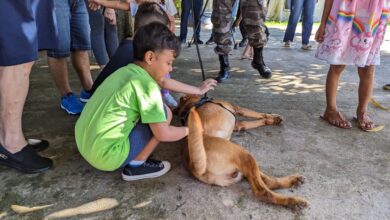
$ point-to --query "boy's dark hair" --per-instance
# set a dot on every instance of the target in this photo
(149, 12)
(154, 37)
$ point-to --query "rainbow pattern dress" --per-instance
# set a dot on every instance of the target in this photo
(355, 30)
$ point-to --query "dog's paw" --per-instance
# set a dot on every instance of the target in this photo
(297, 180)
(297, 203)
(274, 119)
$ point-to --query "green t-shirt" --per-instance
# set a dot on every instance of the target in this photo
(102, 131)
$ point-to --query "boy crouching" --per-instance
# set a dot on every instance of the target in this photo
(125, 119)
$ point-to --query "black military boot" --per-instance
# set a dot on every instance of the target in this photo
(224, 73)
(258, 63)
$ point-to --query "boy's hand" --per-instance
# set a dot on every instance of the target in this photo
(109, 13)
(207, 85)
(94, 4)
(320, 34)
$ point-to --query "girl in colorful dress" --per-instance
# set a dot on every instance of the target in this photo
(351, 33)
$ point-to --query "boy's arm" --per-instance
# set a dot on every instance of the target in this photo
(111, 4)
(171, 23)
(166, 133)
(177, 86)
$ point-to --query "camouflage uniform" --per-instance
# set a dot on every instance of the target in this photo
(253, 17)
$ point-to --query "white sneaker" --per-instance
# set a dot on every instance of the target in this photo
(306, 47)
(287, 44)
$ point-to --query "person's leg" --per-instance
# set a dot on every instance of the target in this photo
(244, 35)
(57, 57)
(80, 61)
(14, 83)
(96, 22)
(331, 114)
(366, 75)
(15, 151)
(295, 14)
(257, 35)
(80, 39)
(185, 12)
(307, 23)
(58, 68)
(222, 23)
(111, 37)
(247, 53)
(139, 165)
(152, 144)
(198, 4)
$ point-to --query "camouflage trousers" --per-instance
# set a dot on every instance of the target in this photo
(253, 16)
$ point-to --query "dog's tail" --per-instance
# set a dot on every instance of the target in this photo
(198, 158)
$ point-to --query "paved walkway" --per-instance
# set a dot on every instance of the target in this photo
(347, 171)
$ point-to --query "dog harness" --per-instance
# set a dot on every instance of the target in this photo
(183, 117)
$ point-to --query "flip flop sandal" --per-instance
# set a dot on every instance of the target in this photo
(322, 117)
(38, 145)
(27, 160)
(386, 87)
(376, 128)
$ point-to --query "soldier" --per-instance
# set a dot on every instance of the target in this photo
(253, 17)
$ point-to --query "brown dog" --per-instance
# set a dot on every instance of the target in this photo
(213, 159)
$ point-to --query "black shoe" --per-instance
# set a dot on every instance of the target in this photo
(259, 65)
(199, 42)
(224, 73)
(210, 41)
(386, 87)
(150, 169)
(38, 145)
(27, 160)
(243, 42)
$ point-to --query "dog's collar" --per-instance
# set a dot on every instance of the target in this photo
(183, 116)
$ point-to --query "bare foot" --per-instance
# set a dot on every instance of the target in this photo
(335, 118)
(365, 123)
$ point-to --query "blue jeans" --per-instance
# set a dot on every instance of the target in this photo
(186, 7)
(104, 38)
(139, 137)
(306, 7)
(73, 28)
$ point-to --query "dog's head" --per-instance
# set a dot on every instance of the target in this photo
(186, 102)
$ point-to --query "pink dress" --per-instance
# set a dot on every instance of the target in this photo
(354, 32)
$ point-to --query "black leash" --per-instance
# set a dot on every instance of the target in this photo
(196, 38)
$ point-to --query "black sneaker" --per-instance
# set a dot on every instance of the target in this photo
(27, 160)
(199, 42)
(150, 169)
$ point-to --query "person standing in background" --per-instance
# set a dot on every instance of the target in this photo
(104, 34)
(298, 7)
(26, 27)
